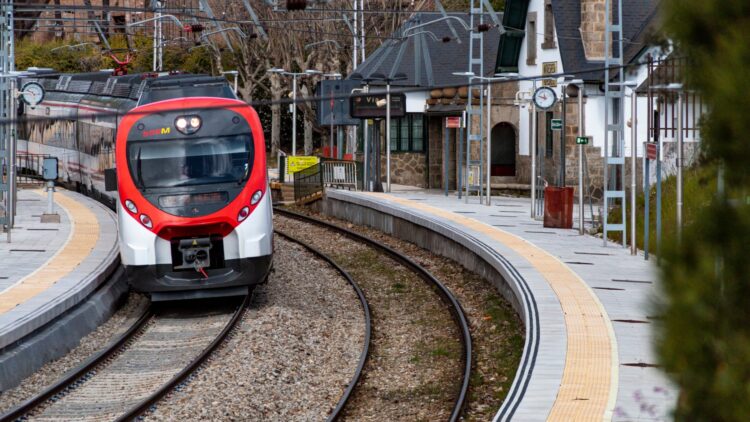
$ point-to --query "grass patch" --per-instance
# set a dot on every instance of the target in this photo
(698, 190)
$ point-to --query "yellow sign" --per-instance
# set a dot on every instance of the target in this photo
(549, 68)
(298, 162)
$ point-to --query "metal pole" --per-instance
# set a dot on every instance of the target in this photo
(633, 158)
(657, 129)
(446, 167)
(532, 144)
(388, 136)
(581, 228)
(50, 200)
(647, 198)
(489, 143)
(679, 166)
(460, 143)
(365, 145)
(561, 177)
(294, 114)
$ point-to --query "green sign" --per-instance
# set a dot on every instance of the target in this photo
(556, 124)
(582, 140)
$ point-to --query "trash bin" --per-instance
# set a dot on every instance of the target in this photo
(558, 207)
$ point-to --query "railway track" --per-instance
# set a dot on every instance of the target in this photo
(368, 323)
(157, 353)
(444, 293)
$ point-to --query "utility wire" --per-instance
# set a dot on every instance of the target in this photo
(395, 90)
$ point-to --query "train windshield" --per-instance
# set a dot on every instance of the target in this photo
(190, 162)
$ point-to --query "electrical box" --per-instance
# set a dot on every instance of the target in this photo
(49, 168)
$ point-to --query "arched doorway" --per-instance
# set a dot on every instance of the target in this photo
(503, 161)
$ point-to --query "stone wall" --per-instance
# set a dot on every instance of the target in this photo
(407, 168)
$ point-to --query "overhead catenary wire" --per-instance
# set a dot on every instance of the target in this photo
(394, 91)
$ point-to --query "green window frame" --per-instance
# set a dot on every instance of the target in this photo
(407, 133)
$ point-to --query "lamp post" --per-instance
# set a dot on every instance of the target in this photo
(294, 76)
(388, 80)
(157, 62)
(677, 87)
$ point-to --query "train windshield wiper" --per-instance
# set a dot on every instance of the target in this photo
(138, 170)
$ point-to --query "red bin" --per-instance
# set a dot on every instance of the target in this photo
(558, 207)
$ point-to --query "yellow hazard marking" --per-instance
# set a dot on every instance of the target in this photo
(588, 389)
(84, 233)
(195, 242)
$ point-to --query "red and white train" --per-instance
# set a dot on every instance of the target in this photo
(192, 197)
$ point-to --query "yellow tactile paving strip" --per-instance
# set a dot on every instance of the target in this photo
(84, 233)
(589, 383)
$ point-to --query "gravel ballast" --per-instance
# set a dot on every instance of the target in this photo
(497, 332)
(291, 357)
(415, 365)
(120, 321)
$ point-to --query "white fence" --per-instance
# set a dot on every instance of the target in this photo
(340, 174)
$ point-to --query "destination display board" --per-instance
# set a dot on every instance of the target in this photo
(373, 106)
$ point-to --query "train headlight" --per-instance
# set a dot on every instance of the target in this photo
(130, 205)
(244, 212)
(256, 197)
(146, 221)
(188, 124)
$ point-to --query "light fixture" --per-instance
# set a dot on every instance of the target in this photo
(130, 205)
(146, 221)
(256, 197)
(242, 215)
(188, 124)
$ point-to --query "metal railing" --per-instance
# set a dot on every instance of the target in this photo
(308, 183)
(342, 174)
(29, 167)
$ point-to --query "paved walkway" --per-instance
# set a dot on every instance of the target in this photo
(49, 267)
(594, 359)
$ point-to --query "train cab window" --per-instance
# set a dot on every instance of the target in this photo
(191, 162)
(221, 90)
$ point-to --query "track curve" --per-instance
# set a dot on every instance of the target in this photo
(444, 293)
(368, 323)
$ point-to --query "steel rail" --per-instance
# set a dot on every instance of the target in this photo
(140, 408)
(444, 292)
(368, 324)
(80, 372)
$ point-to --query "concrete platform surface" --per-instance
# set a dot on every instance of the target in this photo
(588, 354)
(49, 268)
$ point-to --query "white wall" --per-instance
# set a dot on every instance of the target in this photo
(524, 70)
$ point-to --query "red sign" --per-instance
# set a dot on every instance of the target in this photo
(453, 122)
(652, 151)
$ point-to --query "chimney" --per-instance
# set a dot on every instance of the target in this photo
(593, 28)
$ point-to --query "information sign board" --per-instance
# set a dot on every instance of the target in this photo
(652, 151)
(453, 122)
(582, 140)
(556, 124)
(295, 163)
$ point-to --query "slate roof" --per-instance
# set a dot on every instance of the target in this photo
(442, 58)
(638, 17)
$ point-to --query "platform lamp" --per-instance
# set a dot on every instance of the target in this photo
(294, 75)
(388, 80)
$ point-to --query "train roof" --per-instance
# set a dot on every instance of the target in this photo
(104, 84)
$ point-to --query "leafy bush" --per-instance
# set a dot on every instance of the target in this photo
(704, 339)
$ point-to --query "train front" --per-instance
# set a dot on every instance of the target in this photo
(194, 215)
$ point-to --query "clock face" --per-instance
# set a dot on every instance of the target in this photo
(32, 94)
(545, 97)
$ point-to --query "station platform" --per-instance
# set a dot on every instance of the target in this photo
(588, 353)
(47, 270)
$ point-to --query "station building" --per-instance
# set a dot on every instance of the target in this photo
(542, 37)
